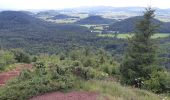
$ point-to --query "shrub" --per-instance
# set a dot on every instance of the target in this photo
(88, 73)
(159, 82)
(77, 63)
(110, 69)
(62, 56)
(88, 62)
(21, 56)
(44, 78)
(6, 58)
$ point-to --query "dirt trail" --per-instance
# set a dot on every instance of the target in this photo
(68, 96)
(5, 76)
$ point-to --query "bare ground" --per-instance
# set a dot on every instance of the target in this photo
(5, 76)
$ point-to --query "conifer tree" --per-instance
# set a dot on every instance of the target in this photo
(141, 57)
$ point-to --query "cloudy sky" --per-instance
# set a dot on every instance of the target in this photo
(57, 4)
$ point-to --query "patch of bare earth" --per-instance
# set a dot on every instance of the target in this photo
(68, 96)
(5, 76)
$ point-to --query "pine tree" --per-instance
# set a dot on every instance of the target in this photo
(140, 59)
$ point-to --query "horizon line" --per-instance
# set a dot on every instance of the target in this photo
(23, 9)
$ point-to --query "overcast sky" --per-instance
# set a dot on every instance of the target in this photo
(57, 4)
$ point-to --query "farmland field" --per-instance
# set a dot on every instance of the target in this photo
(126, 35)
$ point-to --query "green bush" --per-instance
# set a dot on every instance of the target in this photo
(21, 56)
(77, 63)
(110, 69)
(159, 82)
(88, 73)
(44, 78)
(6, 58)
(62, 56)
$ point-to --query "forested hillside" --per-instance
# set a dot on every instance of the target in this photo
(20, 30)
(128, 25)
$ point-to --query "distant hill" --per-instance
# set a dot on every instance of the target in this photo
(128, 25)
(61, 16)
(17, 20)
(165, 27)
(108, 12)
(102, 9)
(95, 20)
(9, 18)
(20, 30)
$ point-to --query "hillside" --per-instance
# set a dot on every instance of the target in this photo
(8, 18)
(20, 30)
(95, 20)
(128, 25)
(82, 71)
(62, 16)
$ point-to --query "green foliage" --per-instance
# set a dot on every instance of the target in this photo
(51, 73)
(21, 56)
(41, 80)
(85, 63)
(88, 73)
(159, 82)
(110, 69)
(128, 25)
(6, 58)
(140, 59)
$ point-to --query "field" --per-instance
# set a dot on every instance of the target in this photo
(63, 21)
(96, 27)
(126, 35)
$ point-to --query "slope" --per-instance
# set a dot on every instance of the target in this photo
(128, 25)
(20, 30)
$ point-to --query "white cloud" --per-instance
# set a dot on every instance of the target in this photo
(54, 4)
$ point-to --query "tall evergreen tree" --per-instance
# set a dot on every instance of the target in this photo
(140, 59)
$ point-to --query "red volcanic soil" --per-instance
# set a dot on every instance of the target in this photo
(68, 96)
(5, 76)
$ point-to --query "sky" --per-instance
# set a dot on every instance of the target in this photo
(60, 4)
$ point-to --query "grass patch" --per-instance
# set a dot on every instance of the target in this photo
(126, 35)
(161, 35)
(114, 91)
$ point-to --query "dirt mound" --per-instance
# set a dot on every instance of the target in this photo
(69, 96)
(5, 76)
